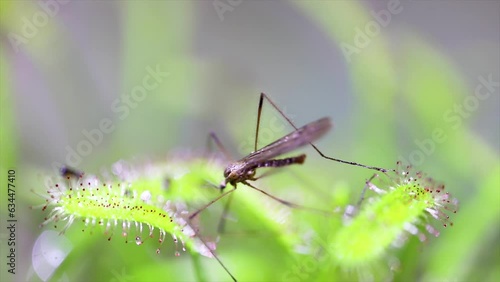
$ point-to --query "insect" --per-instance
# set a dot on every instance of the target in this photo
(244, 170)
(69, 172)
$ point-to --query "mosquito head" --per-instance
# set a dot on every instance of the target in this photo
(237, 172)
(233, 171)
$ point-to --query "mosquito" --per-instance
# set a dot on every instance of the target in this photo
(244, 170)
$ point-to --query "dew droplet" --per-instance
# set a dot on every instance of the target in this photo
(177, 254)
(138, 240)
(158, 251)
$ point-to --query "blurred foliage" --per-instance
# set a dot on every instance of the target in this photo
(406, 95)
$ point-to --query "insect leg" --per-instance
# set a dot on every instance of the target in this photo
(264, 96)
(212, 137)
(286, 203)
(216, 257)
(210, 203)
(259, 111)
(362, 196)
(222, 221)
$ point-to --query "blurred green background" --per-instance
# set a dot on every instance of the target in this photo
(401, 81)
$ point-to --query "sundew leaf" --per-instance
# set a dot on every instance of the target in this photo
(142, 200)
(360, 247)
(130, 201)
(406, 202)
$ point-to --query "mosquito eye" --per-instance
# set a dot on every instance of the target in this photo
(227, 171)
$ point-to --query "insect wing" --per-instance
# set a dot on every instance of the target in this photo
(298, 138)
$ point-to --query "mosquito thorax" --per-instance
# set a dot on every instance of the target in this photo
(234, 170)
(237, 172)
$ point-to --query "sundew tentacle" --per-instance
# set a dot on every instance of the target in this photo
(407, 203)
(124, 204)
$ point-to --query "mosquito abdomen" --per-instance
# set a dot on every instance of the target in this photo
(282, 162)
